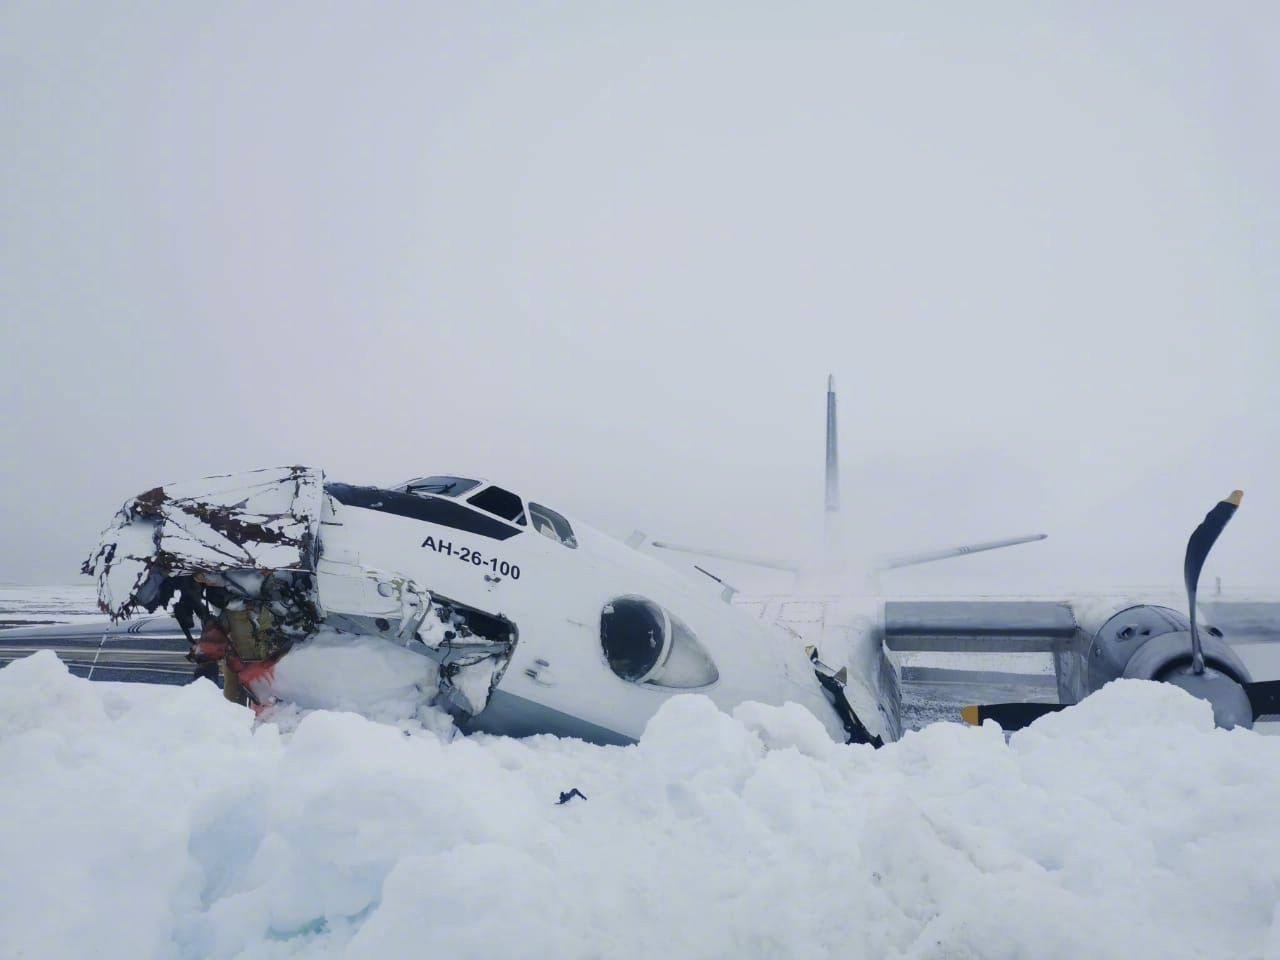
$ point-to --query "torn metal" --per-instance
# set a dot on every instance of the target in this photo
(243, 524)
(245, 556)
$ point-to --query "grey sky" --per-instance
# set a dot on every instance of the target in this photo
(610, 252)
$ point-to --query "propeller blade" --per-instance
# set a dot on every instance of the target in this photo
(1010, 716)
(1264, 697)
(1198, 546)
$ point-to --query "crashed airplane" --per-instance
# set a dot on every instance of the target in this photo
(511, 617)
(291, 587)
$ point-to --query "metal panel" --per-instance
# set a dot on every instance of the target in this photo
(978, 626)
(969, 678)
(802, 611)
(753, 608)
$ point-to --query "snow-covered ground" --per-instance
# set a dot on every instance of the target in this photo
(164, 822)
(33, 606)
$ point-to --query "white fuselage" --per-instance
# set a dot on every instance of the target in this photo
(559, 679)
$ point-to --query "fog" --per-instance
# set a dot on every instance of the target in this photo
(609, 253)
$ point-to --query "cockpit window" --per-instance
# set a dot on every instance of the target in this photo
(501, 503)
(440, 486)
(550, 524)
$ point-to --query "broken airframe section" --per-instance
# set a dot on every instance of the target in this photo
(259, 560)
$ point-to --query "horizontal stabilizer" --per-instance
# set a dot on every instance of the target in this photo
(929, 556)
(766, 562)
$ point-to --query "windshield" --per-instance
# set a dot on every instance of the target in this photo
(501, 503)
(440, 486)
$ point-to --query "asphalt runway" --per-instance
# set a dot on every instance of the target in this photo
(145, 650)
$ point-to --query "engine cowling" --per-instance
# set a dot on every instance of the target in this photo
(1148, 642)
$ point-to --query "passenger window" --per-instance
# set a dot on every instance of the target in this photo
(501, 503)
(550, 524)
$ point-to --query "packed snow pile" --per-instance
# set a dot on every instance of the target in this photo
(165, 822)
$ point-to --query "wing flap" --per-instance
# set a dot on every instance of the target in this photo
(978, 626)
(947, 676)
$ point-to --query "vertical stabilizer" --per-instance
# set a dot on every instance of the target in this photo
(833, 452)
(831, 536)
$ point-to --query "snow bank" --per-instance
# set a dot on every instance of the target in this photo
(161, 822)
(367, 675)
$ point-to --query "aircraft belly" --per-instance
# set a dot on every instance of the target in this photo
(512, 715)
(556, 673)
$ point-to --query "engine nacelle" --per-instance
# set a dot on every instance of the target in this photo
(1146, 642)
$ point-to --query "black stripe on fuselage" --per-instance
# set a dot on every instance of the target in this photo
(447, 513)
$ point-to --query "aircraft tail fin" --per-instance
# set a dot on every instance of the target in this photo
(833, 450)
(831, 540)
